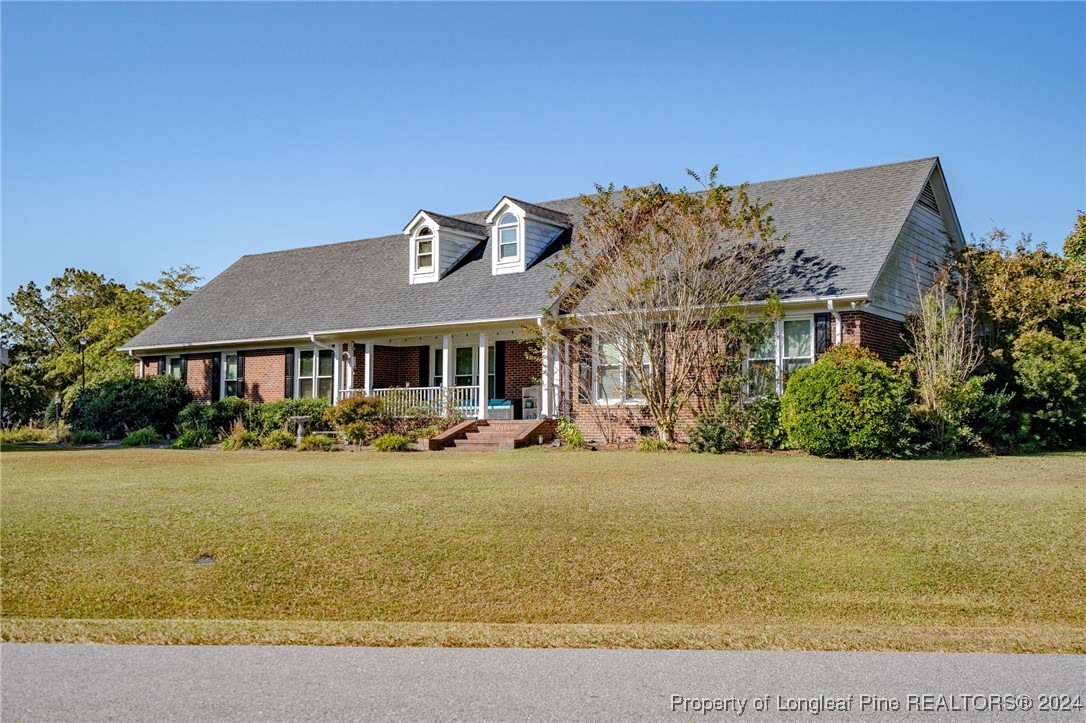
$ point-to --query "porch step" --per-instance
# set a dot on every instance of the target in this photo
(480, 445)
(487, 435)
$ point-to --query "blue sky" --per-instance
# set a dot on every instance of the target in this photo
(142, 136)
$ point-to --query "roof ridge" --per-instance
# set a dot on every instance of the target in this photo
(845, 170)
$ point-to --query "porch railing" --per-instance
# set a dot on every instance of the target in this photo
(417, 401)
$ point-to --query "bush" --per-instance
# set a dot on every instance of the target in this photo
(240, 438)
(265, 418)
(718, 430)
(117, 408)
(22, 435)
(648, 444)
(317, 443)
(194, 416)
(356, 432)
(973, 419)
(142, 438)
(1052, 374)
(278, 439)
(84, 436)
(224, 414)
(194, 438)
(764, 422)
(353, 410)
(569, 433)
(393, 443)
(847, 404)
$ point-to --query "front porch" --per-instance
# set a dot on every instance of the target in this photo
(488, 374)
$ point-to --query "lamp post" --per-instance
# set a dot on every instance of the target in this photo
(82, 364)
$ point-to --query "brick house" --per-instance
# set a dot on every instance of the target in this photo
(436, 314)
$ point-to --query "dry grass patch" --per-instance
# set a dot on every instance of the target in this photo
(536, 547)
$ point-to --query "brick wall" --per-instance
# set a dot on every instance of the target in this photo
(265, 371)
(150, 366)
(877, 333)
(199, 371)
(520, 371)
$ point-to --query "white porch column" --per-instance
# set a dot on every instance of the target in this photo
(565, 373)
(446, 372)
(484, 395)
(337, 371)
(350, 365)
(547, 379)
(367, 371)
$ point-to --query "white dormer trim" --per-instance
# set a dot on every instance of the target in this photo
(448, 247)
(534, 233)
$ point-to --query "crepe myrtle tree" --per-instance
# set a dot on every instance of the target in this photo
(655, 280)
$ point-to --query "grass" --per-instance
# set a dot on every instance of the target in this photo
(545, 548)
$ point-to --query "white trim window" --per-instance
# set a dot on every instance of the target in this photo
(315, 370)
(508, 232)
(790, 347)
(614, 383)
(424, 249)
(230, 374)
(173, 367)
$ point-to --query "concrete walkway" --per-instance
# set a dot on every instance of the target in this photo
(190, 683)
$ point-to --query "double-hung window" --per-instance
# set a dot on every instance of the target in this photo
(315, 367)
(615, 381)
(788, 347)
(508, 238)
(230, 375)
(424, 250)
(173, 367)
(439, 367)
(464, 372)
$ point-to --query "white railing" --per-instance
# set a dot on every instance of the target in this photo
(419, 401)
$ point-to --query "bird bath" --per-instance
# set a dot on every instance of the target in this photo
(300, 421)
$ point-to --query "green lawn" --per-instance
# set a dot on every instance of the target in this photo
(545, 547)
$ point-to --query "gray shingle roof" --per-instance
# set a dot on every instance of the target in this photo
(458, 223)
(841, 228)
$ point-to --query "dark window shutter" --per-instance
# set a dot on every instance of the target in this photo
(424, 365)
(216, 377)
(185, 368)
(821, 333)
(162, 365)
(241, 375)
(288, 373)
(499, 370)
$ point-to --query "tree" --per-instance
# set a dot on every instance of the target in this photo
(44, 329)
(655, 279)
(1074, 246)
(944, 347)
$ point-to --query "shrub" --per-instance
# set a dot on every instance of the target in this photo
(393, 443)
(648, 444)
(240, 438)
(116, 408)
(317, 443)
(22, 435)
(194, 416)
(275, 415)
(720, 429)
(278, 439)
(1052, 374)
(84, 436)
(353, 410)
(764, 422)
(356, 432)
(569, 433)
(224, 414)
(142, 438)
(847, 404)
(971, 418)
(194, 438)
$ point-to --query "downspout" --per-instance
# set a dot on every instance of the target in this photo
(133, 356)
(838, 330)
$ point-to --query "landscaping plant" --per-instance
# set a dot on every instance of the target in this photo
(570, 434)
(194, 439)
(84, 436)
(240, 438)
(317, 443)
(278, 439)
(144, 437)
(848, 404)
(393, 443)
(117, 408)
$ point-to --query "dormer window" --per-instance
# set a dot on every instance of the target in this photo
(508, 237)
(424, 250)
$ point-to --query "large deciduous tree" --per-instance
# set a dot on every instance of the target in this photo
(655, 278)
(44, 328)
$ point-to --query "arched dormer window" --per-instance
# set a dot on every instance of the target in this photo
(508, 237)
(424, 249)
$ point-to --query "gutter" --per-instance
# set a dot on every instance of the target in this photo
(838, 331)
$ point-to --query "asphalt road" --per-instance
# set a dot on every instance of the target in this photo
(129, 683)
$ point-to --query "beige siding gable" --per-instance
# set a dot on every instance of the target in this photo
(920, 246)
